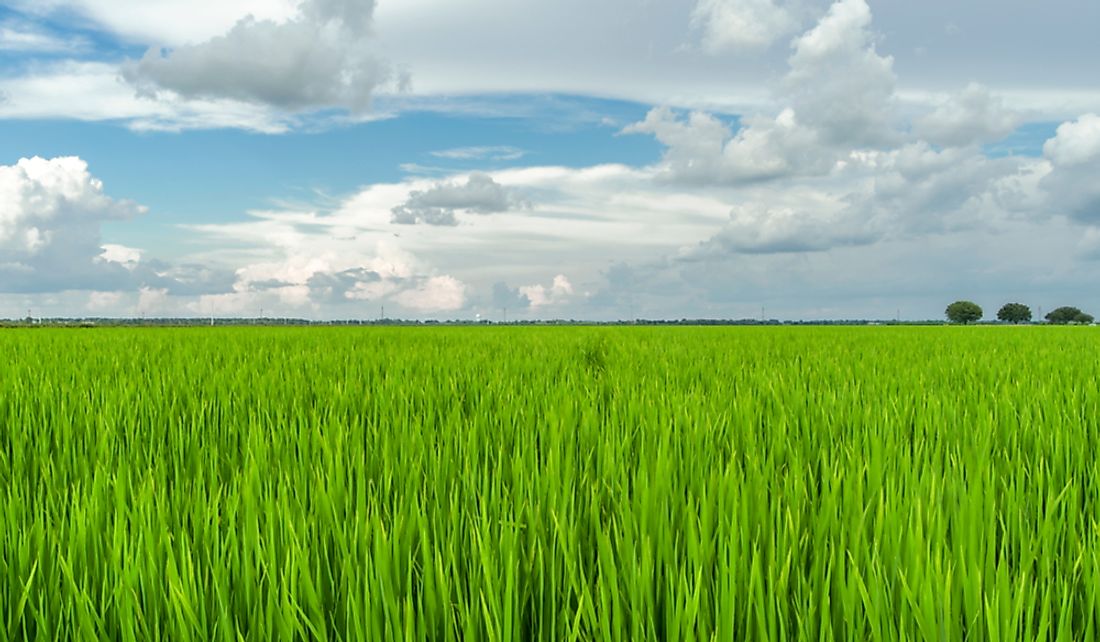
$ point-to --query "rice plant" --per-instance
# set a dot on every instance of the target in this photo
(550, 484)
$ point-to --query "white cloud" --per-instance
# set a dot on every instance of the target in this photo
(838, 83)
(435, 294)
(1074, 157)
(94, 91)
(105, 301)
(152, 301)
(1076, 143)
(756, 228)
(480, 194)
(228, 303)
(838, 96)
(539, 295)
(320, 58)
(972, 116)
(916, 190)
(172, 22)
(50, 217)
(302, 262)
(835, 184)
(26, 38)
(741, 24)
(694, 146)
(790, 241)
(354, 255)
(127, 257)
(701, 149)
(481, 153)
(632, 50)
(877, 196)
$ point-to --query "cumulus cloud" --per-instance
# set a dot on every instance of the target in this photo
(127, 257)
(741, 24)
(839, 141)
(972, 116)
(1075, 143)
(540, 295)
(320, 58)
(838, 95)
(51, 214)
(50, 217)
(480, 194)
(918, 189)
(838, 83)
(694, 145)
(1074, 157)
(701, 149)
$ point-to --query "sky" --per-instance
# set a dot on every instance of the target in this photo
(492, 159)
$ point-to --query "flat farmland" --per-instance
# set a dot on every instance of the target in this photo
(509, 483)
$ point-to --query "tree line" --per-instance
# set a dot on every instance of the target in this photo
(969, 312)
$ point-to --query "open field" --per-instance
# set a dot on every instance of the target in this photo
(550, 483)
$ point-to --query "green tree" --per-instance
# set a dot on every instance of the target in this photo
(1014, 313)
(1068, 314)
(963, 312)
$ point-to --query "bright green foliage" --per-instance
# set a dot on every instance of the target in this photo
(550, 484)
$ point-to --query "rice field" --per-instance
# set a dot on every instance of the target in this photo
(550, 484)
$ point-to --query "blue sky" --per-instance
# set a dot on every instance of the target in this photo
(668, 159)
(207, 176)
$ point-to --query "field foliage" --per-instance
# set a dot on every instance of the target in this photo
(550, 484)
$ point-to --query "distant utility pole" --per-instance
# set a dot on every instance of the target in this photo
(383, 317)
(504, 311)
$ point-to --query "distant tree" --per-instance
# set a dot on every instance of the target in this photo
(1069, 314)
(963, 312)
(1014, 313)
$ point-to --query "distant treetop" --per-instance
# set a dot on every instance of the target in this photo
(1014, 313)
(1069, 314)
(963, 312)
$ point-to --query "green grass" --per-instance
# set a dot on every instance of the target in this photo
(550, 484)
